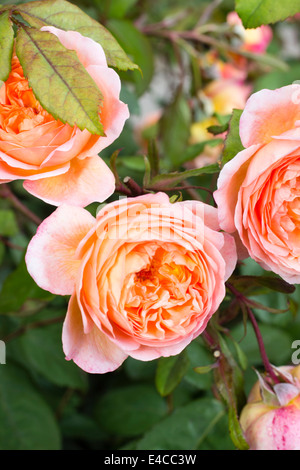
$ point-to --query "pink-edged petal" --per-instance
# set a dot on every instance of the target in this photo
(230, 179)
(51, 254)
(89, 51)
(269, 113)
(229, 253)
(88, 180)
(93, 352)
(114, 112)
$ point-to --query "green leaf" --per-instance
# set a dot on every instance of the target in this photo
(233, 144)
(175, 129)
(274, 283)
(170, 371)
(130, 411)
(58, 79)
(254, 13)
(6, 45)
(219, 437)
(2, 251)
(272, 336)
(168, 180)
(185, 428)
(69, 17)
(218, 129)
(50, 360)
(235, 430)
(27, 423)
(19, 282)
(8, 223)
(137, 46)
(119, 8)
(200, 357)
(193, 151)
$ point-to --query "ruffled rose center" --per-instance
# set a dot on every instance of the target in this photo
(285, 213)
(165, 298)
(19, 109)
(275, 210)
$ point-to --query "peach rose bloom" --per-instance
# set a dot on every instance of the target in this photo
(227, 94)
(254, 39)
(271, 418)
(144, 277)
(258, 192)
(59, 163)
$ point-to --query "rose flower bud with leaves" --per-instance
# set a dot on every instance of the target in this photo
(70, 77)
(145, 276)
(271, 418)
(258, 189)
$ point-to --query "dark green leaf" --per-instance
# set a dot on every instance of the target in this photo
(42, 348)
(199, 357)
(175, 129)
(17, 288)
(130, 411)
(26, 421)
(66, 16)
(235, 430)
(185, 428)
(254, 13)
(193, 151)
(170, 371)
(233, 144)
(172, 179)
(58, 79)
(119, 8)
(137, 46)
(216, 130)
(6, 45)
(272, 337)
(8, 223)
(274, 283)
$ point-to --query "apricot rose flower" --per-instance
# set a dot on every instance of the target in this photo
(144, 277)
(258, 192)
(59, 163)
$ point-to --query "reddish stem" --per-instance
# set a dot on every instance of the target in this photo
(242, 299)
(8, 194)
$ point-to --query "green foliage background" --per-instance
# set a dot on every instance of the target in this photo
(49, 403)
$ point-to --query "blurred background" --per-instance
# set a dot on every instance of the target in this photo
(197, 64)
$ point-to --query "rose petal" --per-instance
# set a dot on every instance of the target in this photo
(51, 255)
(87, 180)
(92, 352)
(269, 113)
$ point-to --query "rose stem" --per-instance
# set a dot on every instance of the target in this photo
(7, 193)
(36, 324)
(257, 332)
(261, 346)
(135, 189)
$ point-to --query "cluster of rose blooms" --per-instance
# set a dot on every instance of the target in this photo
(146, 275)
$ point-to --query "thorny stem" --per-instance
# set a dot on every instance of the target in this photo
(243, 300)
(8, 194)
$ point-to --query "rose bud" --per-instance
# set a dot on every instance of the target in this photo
(271, 418)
